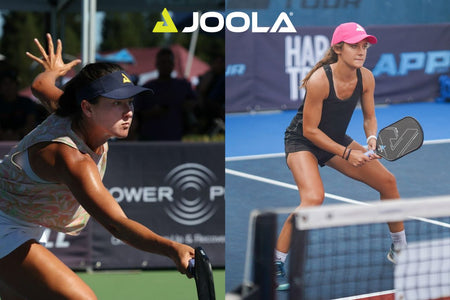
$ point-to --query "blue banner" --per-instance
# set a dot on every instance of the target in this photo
(264, 70)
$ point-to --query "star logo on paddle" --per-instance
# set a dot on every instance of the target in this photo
(381, 148)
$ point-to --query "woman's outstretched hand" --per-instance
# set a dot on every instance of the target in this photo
(44, 85)
(52, 61)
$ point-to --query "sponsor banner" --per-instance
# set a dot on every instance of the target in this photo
(175, 189)
(331, 12)
(264, 70)
(74, 251)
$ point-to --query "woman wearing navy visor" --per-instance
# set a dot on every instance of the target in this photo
(53, 179)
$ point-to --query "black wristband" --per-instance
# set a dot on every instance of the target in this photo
(348, 155)
(343, 154)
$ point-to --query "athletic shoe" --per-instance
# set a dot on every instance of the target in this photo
(281, 278)
(392, 255)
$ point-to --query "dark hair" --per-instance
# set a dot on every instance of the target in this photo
(68, 106)
(329, 58)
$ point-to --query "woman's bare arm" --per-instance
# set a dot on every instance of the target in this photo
(57, 162)
(44, 85)
(368, 107)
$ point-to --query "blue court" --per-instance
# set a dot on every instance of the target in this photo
(257, 176)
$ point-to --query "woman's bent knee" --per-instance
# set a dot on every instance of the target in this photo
(388, 188)
(312, 199)
(389, 181)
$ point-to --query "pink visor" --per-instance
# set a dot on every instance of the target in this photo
(351, 33)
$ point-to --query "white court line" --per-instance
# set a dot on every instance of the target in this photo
(433, 142)
(288, 186)
(272, 155)
(327, 195)
(368, 295)
(257, 156)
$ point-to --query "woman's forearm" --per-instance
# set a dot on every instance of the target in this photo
(44, 88)
(139, 236)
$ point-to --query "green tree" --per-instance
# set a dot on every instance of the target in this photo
(19, 30)
(121, 30)
(71, 36)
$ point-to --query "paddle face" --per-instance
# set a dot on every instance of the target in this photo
(201, 269)
(400, 138)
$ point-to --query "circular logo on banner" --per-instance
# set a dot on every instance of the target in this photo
(194, 194)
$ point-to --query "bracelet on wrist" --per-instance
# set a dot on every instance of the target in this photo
(370, 137)
(345, 150)
(348, 154)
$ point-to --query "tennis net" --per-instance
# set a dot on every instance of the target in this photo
(339, 251)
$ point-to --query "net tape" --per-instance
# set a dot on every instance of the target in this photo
(374, 212)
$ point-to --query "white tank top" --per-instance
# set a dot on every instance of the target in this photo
(25, 196)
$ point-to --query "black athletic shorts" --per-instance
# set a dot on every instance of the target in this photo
(300, 143)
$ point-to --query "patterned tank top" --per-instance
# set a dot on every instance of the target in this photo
(48, 204)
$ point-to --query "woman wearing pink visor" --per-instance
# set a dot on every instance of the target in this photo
(317, 134)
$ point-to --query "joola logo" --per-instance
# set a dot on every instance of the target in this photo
(359, 28)
(125, 79)
(242, 18)
(169, 27)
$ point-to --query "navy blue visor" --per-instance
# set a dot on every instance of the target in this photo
(116, 85)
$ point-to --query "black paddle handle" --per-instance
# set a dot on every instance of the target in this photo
(191, 267)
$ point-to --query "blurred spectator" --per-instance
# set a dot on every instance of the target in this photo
(18, 114)
(168, 114)
(211, 90)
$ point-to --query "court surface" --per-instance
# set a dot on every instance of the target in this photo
(258, 178)
(143, 285)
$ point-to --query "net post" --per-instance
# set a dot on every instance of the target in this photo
(297, 260)
(264, 245)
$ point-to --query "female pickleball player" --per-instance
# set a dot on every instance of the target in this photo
(53, 179)
(317, 133)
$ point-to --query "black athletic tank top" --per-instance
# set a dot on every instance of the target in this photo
(336, 113)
